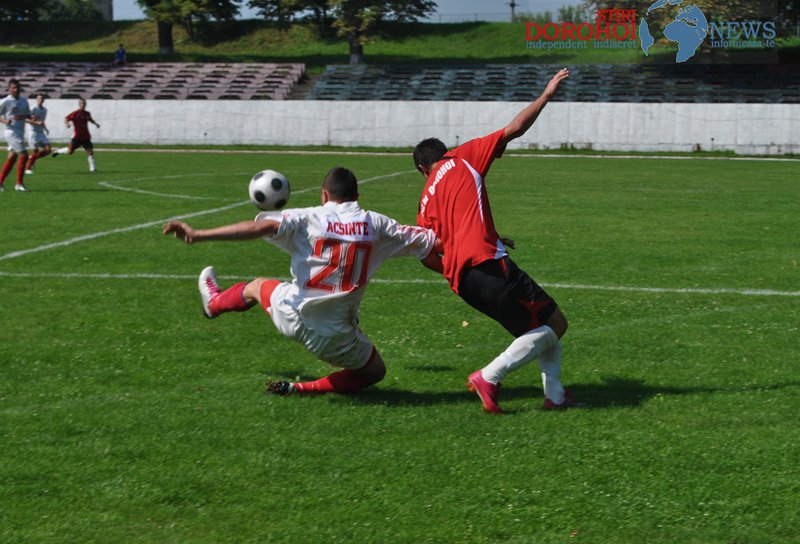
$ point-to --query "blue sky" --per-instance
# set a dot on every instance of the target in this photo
(449, 10)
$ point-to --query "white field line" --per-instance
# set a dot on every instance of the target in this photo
(153, 193)
(405, 154)
(418, 281)
(165, 195)
(92, 236)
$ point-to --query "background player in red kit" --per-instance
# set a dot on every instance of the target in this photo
(80, 120)
(455, 205)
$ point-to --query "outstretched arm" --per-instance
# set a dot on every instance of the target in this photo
(525, 119)
(91, 120)
(246, 230)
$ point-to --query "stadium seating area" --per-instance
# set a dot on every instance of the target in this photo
(490, 82)
(589, 83)
(156, 81)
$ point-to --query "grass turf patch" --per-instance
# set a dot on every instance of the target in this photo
(127, 416)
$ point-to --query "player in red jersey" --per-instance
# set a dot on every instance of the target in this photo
(80, 120)
(455, 205)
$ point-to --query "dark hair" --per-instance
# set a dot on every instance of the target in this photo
(428, 152)
(14, 82)
(341, 184)
(37, 95)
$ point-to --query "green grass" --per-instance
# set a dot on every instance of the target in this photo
(125, 416)
(259, 41)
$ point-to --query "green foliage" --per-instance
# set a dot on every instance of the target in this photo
(188, 13)
(281, 11)
(785, 12)
(574, 13)
(14, 10)
(178, 11)
(125, 416)
(71, 10)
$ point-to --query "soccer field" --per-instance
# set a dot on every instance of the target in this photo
(127, 417)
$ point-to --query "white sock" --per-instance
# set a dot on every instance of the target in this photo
(521, 351)
(61, 150)
(550, 363)
(91, 163)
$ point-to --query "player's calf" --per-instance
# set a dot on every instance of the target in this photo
(215, 300)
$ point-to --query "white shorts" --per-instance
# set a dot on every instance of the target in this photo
(352, 349)
(37, 139)
(15, 142)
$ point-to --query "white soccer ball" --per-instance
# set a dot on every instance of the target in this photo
(269, 190)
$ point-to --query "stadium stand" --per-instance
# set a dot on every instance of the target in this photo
(589, 83)
(167, 81)
(655, 83)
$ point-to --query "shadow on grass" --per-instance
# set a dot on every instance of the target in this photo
(614, 392)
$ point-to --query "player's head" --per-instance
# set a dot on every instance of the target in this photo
(14, 87)
(81, 103)
(427, 153)
(39, 99)
(339, 185)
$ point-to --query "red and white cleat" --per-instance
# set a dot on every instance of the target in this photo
(487, 391)
(209, 291)
(568, 402)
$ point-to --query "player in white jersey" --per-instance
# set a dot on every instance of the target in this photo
(14, 111)
(335, 248)
(37, 137)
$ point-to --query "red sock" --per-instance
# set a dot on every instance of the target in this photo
(230, 300)
(20, 169)
(31, 160)
(345, 381)
(9, 164)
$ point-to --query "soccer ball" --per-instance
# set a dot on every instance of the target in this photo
(269, 190)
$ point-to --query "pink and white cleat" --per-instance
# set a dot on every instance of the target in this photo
(568, 402)
(209, 291)
(487, 391)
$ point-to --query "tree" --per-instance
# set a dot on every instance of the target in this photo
(357, 20)
(71, 10)
(725, 10)
(319, 14)
(168, 13)
(281, 11)
(14, 10)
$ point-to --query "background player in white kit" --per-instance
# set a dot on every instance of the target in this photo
(335, 249)
(14, 111)
(37, 137)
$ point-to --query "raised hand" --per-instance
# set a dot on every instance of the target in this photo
(556, 80)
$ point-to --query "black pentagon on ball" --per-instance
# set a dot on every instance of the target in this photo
(277, 184)
(260, 196)
(258, 175)
(280, 204)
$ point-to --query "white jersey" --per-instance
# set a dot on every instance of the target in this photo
(335, 249)
(40, 113)
(15, 110)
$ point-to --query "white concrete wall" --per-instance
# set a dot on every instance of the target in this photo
(743, 128)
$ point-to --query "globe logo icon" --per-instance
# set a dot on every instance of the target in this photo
(688, 29)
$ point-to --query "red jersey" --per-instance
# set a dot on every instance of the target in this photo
(80, 120)
(455, 205)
